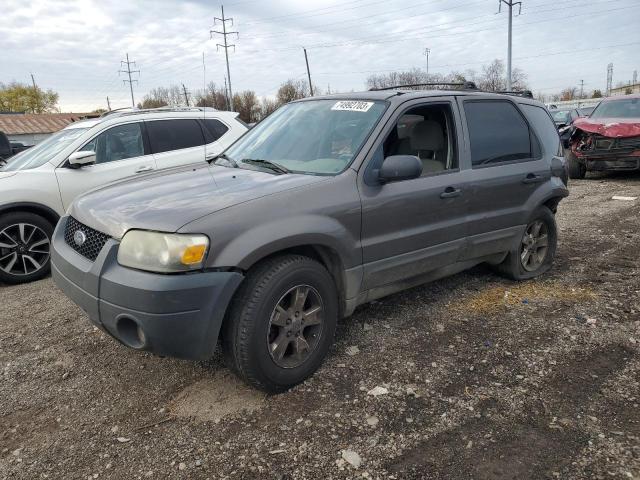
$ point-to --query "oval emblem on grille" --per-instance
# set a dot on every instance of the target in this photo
(79, 238)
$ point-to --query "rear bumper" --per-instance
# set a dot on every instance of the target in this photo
(169, 315)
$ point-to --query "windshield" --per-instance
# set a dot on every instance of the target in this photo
(313, 137)
(44, 151)
(560, 116)
(627, 108)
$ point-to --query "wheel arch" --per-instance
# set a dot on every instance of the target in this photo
(36, 208)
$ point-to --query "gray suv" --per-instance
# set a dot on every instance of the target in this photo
(329, 203)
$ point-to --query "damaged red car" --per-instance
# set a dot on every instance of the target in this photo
(608, 139)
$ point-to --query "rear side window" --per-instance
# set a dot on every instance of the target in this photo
(213, 129)
(168, 135)
(544, 127)
(498, 133)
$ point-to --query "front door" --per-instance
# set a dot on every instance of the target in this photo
(120, 153)
(415, 226)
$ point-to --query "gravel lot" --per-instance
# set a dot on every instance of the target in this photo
(484, 378)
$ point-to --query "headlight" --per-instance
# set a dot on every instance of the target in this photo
(162, 252)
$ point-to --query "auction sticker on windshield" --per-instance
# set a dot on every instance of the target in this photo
(352, 106)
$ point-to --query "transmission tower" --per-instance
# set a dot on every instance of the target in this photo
(609, 79)
(128, 71)
(427, 51)
(510, 4)
(226, 46)
(635, 77)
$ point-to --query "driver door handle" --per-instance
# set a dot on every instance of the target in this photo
(533, 178)
(451, 192)
(144, 168)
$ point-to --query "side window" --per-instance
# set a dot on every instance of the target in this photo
(168, 135)
(426, 132)
(497, 132)
(213, 129)
(544, 127)
(117, 143)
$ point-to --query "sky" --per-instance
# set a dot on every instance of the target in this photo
(75, 46)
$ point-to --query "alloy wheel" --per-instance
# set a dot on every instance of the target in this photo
(24, 249)
(534, 246)
(295, 326)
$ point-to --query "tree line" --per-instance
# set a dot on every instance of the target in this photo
(18, 97)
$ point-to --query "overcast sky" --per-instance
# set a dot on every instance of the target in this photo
(75, 47)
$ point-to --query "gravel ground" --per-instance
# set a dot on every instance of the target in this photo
(470, 377)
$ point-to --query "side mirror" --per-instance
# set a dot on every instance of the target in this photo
(400, 167)
(82, 158)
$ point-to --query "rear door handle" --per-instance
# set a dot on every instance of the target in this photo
(144, 168)
(451, 192)
(533, 178)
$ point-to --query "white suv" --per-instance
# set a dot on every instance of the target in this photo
(39, 184)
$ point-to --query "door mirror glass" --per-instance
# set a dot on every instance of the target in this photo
(82, 158)
(400, 167)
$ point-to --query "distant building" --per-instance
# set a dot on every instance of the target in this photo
(31, 128)
(626, 89)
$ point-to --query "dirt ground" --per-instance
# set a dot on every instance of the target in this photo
(484, 379)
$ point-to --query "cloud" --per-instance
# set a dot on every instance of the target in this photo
(75, 48)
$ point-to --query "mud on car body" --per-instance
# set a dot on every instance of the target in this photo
(329, 203)
(609, 139)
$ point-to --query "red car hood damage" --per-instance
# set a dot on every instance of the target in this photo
(610, 127)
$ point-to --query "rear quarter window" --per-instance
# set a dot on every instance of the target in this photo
(168, 135)
(543, 126)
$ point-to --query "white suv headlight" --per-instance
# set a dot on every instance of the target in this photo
(162, 252)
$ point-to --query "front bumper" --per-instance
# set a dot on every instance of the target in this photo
(610, 164)
(169, 315)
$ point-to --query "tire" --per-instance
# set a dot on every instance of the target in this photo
(577, 169)
(255, 327)
(513, 265)
(25, 247)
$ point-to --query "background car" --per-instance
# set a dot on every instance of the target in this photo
(39, 184)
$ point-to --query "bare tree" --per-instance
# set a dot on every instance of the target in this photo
(569, 93)
(292, 90)
(247, 105)
(212, 96)
(267, 107)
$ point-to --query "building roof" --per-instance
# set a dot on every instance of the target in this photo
(27, 123)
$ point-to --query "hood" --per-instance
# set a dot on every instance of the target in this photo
(610, 127)
(7, 174)
(168, 200)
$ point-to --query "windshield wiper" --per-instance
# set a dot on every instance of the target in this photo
(266, 164)
(231, 161)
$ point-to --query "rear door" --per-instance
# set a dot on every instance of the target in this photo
(121, 152)
(508, 167)
(176, 142)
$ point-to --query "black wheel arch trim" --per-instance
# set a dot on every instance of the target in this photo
(37, 208)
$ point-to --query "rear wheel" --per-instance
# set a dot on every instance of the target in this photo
(577, 169)
(25, 244)
(281, 322)
(536, 250)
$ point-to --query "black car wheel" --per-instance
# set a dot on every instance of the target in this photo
(281, 322)
(577, 169)
(25, 246)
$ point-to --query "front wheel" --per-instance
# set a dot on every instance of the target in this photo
(536, 250)
(577, 169)
(281, 322)
(25, 244)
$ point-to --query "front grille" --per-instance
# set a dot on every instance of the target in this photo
(93, 243)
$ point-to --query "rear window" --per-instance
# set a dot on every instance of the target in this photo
(497, 131)
(213, 129)
(168, 135)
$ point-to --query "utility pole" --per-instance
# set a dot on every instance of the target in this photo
(427, 51)
(510, 4)
(581, 89)
(128, 71)
(306, 59)
(226, 46)
(226, 94)
(186, 94)
(609, 79)
(108, 104)
(33, 80)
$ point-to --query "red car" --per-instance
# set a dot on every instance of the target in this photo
(608, 139)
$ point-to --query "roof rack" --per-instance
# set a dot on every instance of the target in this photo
(136, 111)
(464, 85)
(519, 93)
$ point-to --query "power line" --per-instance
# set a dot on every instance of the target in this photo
(226, 47)
(128, 71)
